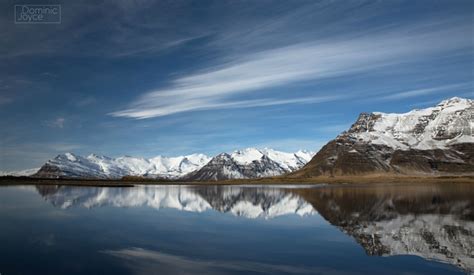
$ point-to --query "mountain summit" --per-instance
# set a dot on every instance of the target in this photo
(435, 140)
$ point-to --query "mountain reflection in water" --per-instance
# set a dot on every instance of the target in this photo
(240, 201)
(431, 221)
(435, 222)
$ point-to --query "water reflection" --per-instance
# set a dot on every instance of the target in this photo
(432, 221)
(435, 222)
(239, 201)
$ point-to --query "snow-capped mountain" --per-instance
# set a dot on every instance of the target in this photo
(251, 163)
(69, 165)
(20, 173)
(250, 203)
(450, 122)
(246, 163)
(439, 139)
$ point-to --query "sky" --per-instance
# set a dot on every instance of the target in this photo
(148, 78)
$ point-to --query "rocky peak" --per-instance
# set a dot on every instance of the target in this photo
(95, 156)
(365, 123)
(67, 157)
(455, 101)
(221, 156)
(250, 163)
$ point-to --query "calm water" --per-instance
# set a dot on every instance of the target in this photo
(422, 229)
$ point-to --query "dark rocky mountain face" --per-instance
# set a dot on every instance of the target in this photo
(217, 169)
(344, 156)
(49, 170)
(224, 167)
(457, 159)
(250, 163)
(437, 140)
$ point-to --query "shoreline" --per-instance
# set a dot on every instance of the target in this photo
(373, 179)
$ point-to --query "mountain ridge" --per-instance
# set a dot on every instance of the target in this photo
(69, 165)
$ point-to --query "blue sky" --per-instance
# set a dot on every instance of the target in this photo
(147, 78)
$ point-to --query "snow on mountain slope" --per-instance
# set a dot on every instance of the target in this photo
(285, 160)
(450, 122)
(20, 173)
(289, 161)
(179, 166)
(249, 203)
(71, 165)
(102, 167)
(251, 163)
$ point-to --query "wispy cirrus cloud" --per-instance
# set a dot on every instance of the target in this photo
(426, 91)
(58, 122)
(25, 155)
(126, 29)
(85, 101)
(5, 100)
(224, 85)
(215, 103)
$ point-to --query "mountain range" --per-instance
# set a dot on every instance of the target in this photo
(437, 140)
(250, 163)
(241, 164)
(69, 165)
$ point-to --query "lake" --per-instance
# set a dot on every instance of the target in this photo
(319, 229)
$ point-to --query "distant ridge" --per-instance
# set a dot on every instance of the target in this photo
(69, 165)
(20, 173)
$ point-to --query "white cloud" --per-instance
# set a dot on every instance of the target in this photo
(5, 100)
(85, 101)
(225, 85)
(56, 123)
(425, 91)
(64, 147)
